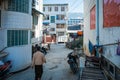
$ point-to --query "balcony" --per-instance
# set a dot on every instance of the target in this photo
(61, 21)
(60, 29)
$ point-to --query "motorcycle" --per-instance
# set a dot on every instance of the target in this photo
(43, 50)
(72, 61)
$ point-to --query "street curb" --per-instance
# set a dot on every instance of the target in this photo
(20, 70)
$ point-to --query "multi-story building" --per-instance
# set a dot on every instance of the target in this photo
(56, 16)
(74, 21)
(74, 25)
(37, 31)
(15, 31)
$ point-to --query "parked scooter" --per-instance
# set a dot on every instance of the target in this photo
(4, 69)
(72, 61)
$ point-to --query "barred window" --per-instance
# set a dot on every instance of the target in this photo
(49, 9)
(52, 20)
(56, 8)
(18, 5)
(62, 8)
(60, 17)
(44, 9)
(17, 37)
(60, 25)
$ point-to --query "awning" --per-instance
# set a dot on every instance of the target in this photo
(36, 11)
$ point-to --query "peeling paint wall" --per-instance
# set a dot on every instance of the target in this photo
(106, 35)
(88, 34)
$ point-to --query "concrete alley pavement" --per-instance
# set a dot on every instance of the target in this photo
(56, 67)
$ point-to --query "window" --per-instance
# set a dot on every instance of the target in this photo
(17, 37)
(18, 5)
(60, 25)
(49, 9)
(77, 27)
(46, 17)
(52, 29)
(52, 19)
(60, 33)
(62, 8)
(92, 18)
(44, 9)
(56, 8)
(60, 17)
(35, 19)
(111, 13)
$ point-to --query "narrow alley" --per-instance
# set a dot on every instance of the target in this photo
(56, 67)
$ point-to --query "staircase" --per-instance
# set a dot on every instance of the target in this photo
(92, 74)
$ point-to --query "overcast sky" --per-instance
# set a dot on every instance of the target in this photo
(74, 5)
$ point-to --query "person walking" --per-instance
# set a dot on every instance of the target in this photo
(37, 63)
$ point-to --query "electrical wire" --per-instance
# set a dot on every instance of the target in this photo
(78, 3)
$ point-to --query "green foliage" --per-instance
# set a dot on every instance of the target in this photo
(77, 42)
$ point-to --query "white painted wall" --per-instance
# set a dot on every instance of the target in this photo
(20, 56)
(106, 35)
(2, 39)
(88, 34)
(16, 20)
(38, 28)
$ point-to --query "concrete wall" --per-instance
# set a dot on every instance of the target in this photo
(2, 39)
(106, 35)
(20, 57)
(16, 20)
(88, 34)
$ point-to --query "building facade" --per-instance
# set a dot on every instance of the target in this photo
(102, 28)
(74, 21)
(56, 18)
(37, 15)
(15, 31)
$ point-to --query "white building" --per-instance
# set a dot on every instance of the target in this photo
(56, 16)
(74, 21)
(102, 27)
(15, 31)
(37, 14)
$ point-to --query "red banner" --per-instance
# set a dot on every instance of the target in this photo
(111, 13)
(92, 18)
